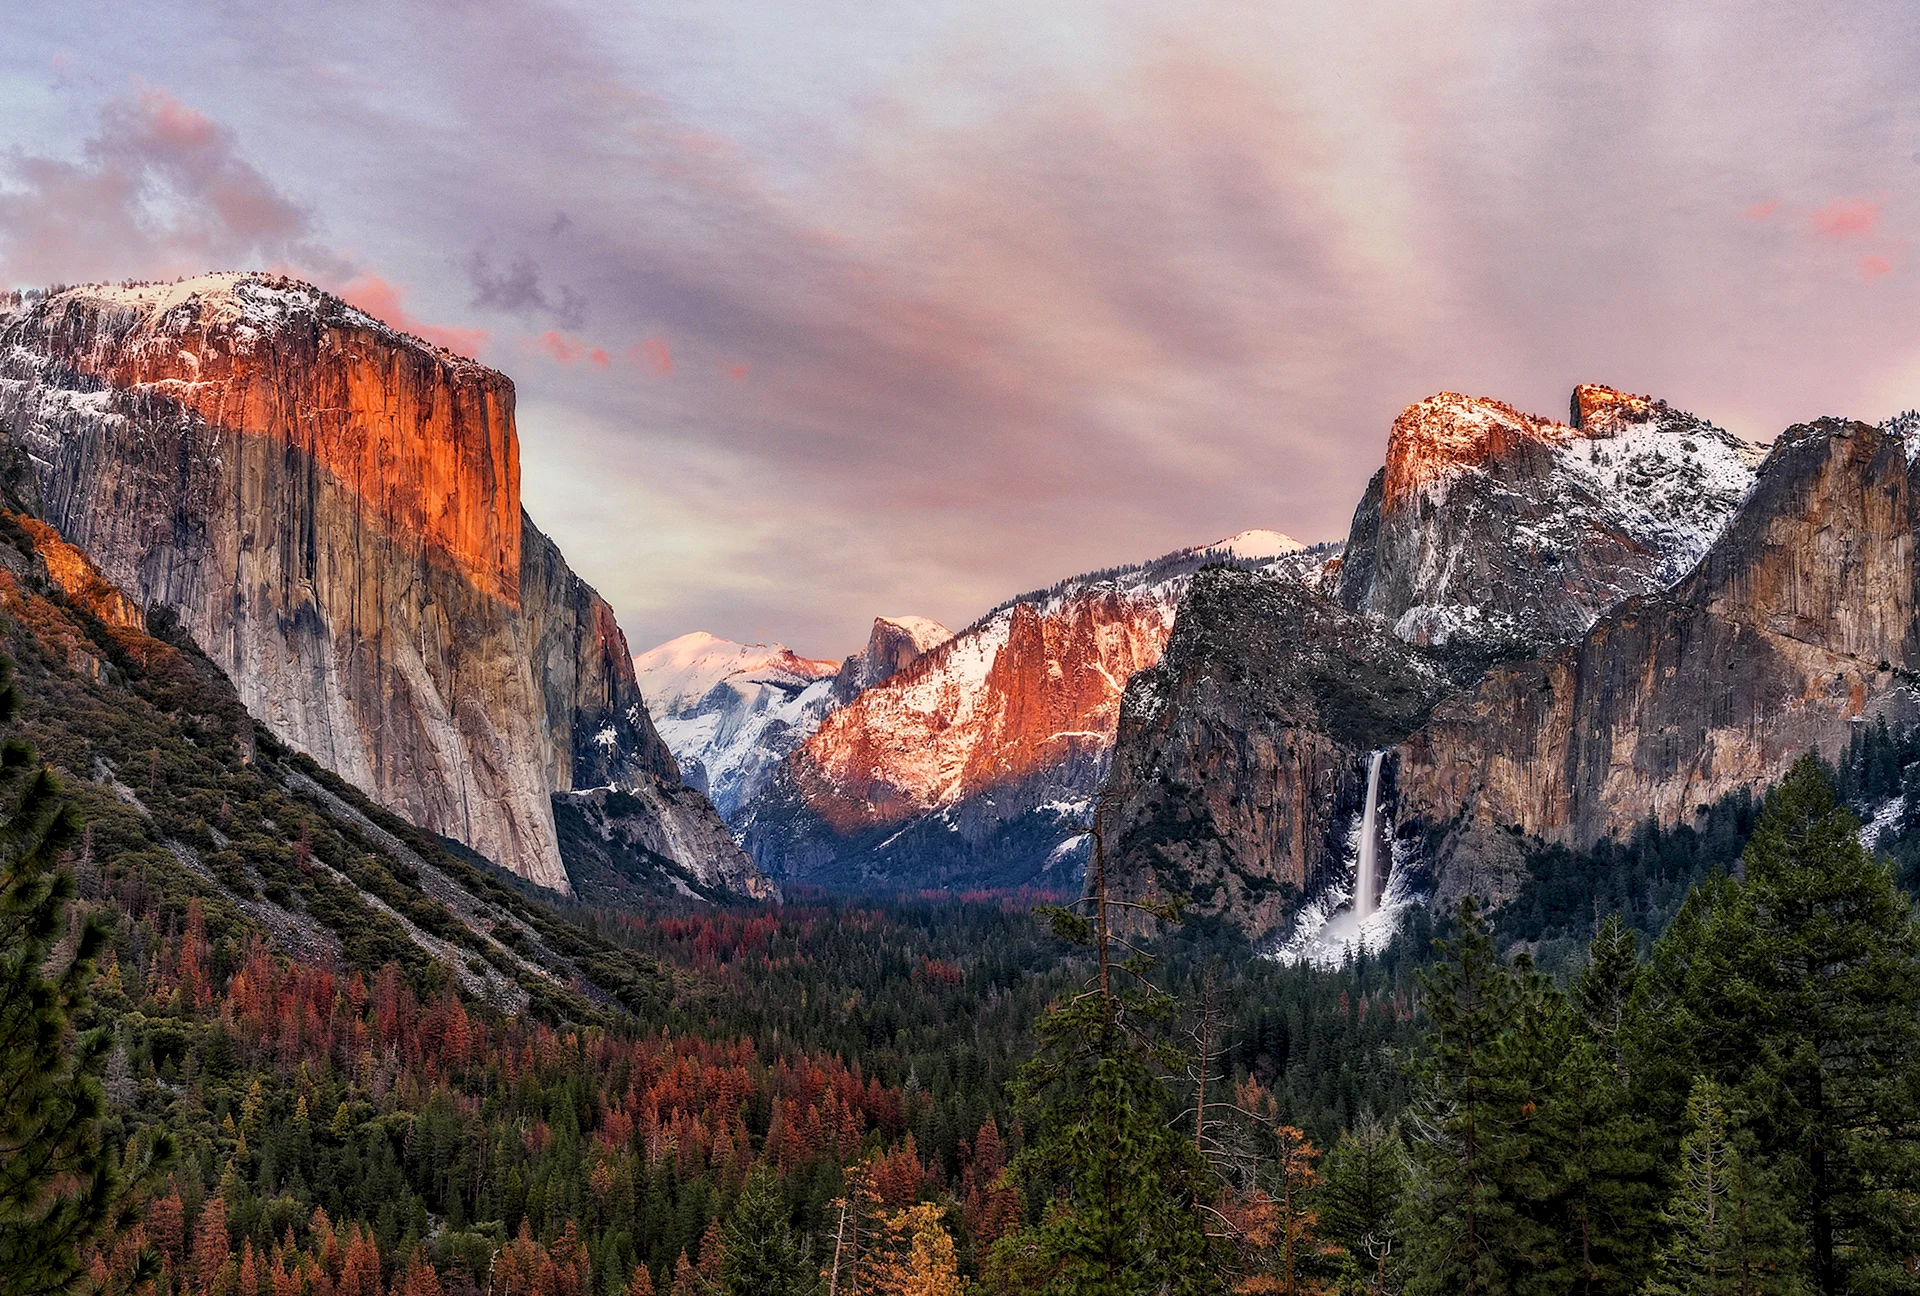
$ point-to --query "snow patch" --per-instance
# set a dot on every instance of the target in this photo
(1884, 818)
(1325, 931)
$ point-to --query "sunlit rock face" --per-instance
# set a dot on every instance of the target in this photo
(977, 763)
(1493, 528)
(333, 509)
(1799, 621)
(1706, 619)
(1241, 756)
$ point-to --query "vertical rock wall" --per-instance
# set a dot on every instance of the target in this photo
(333, 509)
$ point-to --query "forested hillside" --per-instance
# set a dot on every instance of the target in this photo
(357, 1062)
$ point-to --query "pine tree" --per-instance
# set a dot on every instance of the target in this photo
(1726, 1232)
(61, 1188)
(1603, 1189)
(759, 1254)
(1472, 1211)
(1797, 988)
(1363, 1179)
(1125, 1190)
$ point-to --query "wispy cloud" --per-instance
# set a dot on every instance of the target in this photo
(518, 290)
(825, 309)
(158, 188)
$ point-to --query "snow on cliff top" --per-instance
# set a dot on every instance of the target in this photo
(1618, 439)
(1624, 468)
(242, 298)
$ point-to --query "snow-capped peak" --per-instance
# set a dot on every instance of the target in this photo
(1257, 544)
(1508, 526)
(678, 675)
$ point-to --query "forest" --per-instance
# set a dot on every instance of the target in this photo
(1694, 1069)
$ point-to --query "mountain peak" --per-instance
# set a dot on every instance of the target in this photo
(1593, 409)
(1258, 544)
(678, 675)
(1435, 440)
(1501, 525)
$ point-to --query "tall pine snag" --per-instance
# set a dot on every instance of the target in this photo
(61, 1188)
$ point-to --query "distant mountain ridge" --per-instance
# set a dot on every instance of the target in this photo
(975, 765)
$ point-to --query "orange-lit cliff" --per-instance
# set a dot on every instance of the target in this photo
(977, 763)
(332, 510)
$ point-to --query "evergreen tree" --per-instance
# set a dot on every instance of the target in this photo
(1473, 1212)
(61, 1187)
(1600, 1148)
(1125, 1190)
(759, 1255)
(1726, 1232)
(1361, 1186)
(1797, 988)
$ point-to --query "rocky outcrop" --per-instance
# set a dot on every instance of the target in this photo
(1509, 531)
(623, 843)
(332, 510)
(976, 764)
(894, 644)
(1242, 755)
(1799, 622)
(1240, 760)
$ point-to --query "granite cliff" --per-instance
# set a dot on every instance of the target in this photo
(1242, 756)
(1489, 536)
(1241, 759)
(976, 764)
(1799, 622)
(331, 510)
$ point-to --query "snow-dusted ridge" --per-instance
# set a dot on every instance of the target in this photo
(967, 717)
(254, 304)
(1498, 525)
(730, 712)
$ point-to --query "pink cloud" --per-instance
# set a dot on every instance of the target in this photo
(1762, 210)
(1846, 218)
(159, 189)
(651, 354)
(383, 300)
(559, 347)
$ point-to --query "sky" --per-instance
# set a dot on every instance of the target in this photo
(819, 310)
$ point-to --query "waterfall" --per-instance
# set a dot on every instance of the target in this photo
(1366, 882)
